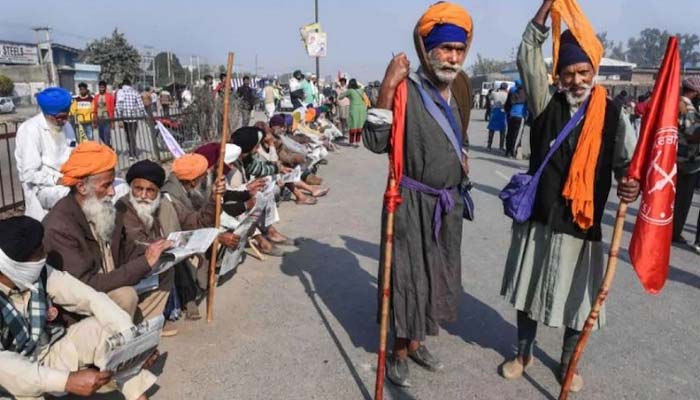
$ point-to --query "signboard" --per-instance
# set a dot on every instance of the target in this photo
(12, 53)
(316, 44)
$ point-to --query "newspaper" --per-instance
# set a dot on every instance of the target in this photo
(232, 257)
(185, 245)
(291, 177)
(128, 350)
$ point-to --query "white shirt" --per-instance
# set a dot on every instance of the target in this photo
(40, 152)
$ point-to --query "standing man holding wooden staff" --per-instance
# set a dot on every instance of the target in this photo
(433, 109)
(555, 264)
(219, 175)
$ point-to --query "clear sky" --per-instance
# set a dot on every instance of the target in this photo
(362, 34)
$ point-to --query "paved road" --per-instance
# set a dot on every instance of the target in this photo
(303, 327)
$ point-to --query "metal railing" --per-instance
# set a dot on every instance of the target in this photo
(147, 144)
(11, 195)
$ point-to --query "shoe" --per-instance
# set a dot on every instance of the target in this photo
(323, 162)
(308, 201)
(274, 251)
(513, 369)
(696, 247)
(169, 329)
(397, 371)
(679, 240)
(192, 311)
(576, 383)
(321, 192)
(425, 359)
(132, 159)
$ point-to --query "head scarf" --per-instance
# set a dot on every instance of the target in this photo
(232, 153)
(20, 237)
(89, 158)
(570, 52)
(54, 100)
(211, 152)
(444, 33)
(580, 29)
(445, 13)
(692, 83)
(190, 167)
(148, 170)
(247, 138)
(579, 185)
(277, 120)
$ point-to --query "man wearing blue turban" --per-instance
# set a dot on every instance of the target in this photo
(43, 144)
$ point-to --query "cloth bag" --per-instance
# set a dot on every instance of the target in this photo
(518, 196)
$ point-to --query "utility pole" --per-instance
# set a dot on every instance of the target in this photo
(199, 70)
(170, 77)
(43, 34)
(318, 59)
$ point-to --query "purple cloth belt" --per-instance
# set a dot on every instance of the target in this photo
(444, 205)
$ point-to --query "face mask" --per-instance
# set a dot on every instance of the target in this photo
(22, 274)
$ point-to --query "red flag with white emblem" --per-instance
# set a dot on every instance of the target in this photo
(654, 166)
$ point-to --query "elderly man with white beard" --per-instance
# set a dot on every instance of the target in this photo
(426, 284)
(555, 263)
(83, 236)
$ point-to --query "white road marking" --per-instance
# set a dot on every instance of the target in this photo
(502, 175)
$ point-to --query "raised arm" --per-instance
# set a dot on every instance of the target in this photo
(533, 69)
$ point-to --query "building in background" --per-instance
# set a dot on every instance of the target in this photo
(20, 62)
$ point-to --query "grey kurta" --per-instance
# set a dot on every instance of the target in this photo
(426, 275)
(551, 276)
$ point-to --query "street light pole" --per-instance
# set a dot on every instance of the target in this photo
(318, 59)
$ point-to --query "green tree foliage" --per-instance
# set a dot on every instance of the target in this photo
(615, 50)
(6, 86)
(648, 49)
(484, 65)
(165, 76)
(115, 55)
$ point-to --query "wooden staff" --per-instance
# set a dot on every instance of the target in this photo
(219, 174)
(386, 280)
(602, 294)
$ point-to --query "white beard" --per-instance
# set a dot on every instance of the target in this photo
(576, 101)
(444, 71)
(145, 209)
(101, 213)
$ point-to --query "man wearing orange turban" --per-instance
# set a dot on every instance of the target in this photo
(83, 237)
(426, 268)
(555, 264)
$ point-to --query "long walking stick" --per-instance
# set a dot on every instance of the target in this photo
(392, 198)
(384, 323)
(600, 299)
(219, 174)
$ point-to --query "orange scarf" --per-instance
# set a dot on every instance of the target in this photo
(579, 186)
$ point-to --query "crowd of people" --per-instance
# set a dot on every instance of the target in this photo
(71, 268)
(94, 237)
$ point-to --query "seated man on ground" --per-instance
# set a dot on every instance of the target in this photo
(182, 189)
(242, 171)
(37, 355)
(84, 237)
(43, 144)
(267, 151)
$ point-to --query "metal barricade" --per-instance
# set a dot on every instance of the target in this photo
(11, 195)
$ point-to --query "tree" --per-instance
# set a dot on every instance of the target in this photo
(6, 86)
(484, 65)
(164, 75)
(648, 49)
(115, 55)
(686, 46)
(613, 49)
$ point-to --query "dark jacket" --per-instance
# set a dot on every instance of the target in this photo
(71, 247)
(189, 217)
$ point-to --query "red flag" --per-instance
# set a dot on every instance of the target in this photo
(392, 196)
(654, 166)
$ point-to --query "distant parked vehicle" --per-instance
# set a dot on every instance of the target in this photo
(7, 105)
(286, 103)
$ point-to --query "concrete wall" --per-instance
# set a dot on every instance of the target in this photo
(28, 80)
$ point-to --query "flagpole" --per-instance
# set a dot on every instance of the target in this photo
(600, 299)
(219, 174)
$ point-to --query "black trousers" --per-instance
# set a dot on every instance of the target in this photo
(514, 125)
(185, 284)
(131, 129)
(685, 188)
